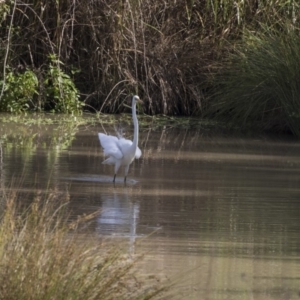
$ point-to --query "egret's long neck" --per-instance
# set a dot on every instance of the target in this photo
(136, 126)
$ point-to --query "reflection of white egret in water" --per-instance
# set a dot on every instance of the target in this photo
(119, 217)
(120, 151)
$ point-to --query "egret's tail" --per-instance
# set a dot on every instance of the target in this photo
(101, 137)
(109, 161)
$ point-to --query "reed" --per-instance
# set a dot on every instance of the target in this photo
(43, 256)
(165, 51)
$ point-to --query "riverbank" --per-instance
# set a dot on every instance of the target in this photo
(176, 55)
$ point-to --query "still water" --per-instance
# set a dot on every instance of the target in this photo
(218, 214)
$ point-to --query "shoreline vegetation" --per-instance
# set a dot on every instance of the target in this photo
(44, 255)
(232, 61)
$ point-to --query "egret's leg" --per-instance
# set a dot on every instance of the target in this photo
(117, 166)
(126, 172)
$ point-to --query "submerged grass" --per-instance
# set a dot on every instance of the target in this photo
(42, 256)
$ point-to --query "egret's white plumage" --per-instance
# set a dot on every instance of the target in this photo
(120, 151)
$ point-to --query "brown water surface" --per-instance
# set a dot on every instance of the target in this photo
(218, 214)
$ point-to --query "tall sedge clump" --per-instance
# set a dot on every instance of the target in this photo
(260, 83)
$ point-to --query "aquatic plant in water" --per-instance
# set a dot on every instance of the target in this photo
(44, 256)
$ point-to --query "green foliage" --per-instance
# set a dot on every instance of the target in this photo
(61, 91)
(4, 9)
(260, 84)
(19, 90)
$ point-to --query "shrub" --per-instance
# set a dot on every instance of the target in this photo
(61, 92)
(19, 90)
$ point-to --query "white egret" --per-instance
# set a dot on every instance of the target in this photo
(120, 151)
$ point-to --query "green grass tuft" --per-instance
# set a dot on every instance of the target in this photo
(260, 84)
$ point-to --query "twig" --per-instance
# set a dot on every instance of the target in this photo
(7, 49)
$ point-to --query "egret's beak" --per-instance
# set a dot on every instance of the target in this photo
(140, 101)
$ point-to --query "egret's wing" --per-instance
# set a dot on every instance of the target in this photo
(125, 144)
(110, 145)
(138, 153)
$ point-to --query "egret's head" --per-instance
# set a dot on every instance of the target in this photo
(136, 99)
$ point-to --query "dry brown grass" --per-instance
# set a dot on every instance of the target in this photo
(43, 256)
(166, 51)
